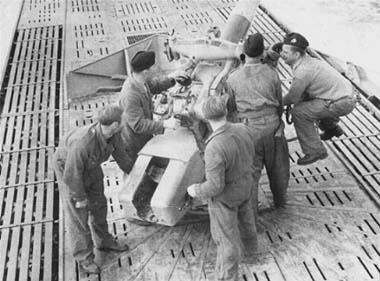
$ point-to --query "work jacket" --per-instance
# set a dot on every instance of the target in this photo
(136, 101)
(315, 79)
(79, 155)
(256, 90)
(229, 165)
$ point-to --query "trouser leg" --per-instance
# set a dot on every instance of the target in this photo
(98, 216)
(258, 165)
(278, 168)
(273, 153)
(339, 108)
(247, 228)
(304, 116)
(225, 232)
(78, 230)
(75, 220)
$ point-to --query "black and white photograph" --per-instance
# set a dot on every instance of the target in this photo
(189, 140)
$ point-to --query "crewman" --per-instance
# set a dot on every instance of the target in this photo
(136, 101)
(80, 180)
(228, 187)
(256, 89)
(319, 94)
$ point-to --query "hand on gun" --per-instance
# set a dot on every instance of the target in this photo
(80, 204)
(191, 190)
(272, 54)
(181, 77)
(172, 123)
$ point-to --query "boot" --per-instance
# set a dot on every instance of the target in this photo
(112, 245)
(328, 134)
(89, 266)
(311, 158)
(140, 222)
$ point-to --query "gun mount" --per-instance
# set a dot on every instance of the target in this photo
(155, 190)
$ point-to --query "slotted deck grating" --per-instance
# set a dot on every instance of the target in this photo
(28, 125)
(360, 147)
(329, 231)
(41, 13)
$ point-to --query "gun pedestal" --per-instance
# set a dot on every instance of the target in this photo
(155, 190)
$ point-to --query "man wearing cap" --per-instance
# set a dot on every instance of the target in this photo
(319, 94)
(136, 100)
(80, 181)
(228, 162)
(256, 88)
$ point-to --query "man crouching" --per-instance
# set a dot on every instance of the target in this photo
(228, 188)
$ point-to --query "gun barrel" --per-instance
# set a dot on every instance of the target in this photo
(240, 20)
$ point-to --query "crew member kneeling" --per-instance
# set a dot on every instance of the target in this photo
(319, 93)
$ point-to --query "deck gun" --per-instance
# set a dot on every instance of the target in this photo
(155, 189)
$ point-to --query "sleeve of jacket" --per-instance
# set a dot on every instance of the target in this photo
(215, 174)
(74, 171)
(231, 103)
(299, 85)
(279, 95)
(253, 140)
(121, 156)
(159, 84)
(134, 116)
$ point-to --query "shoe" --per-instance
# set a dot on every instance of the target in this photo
(113, 246)
(309, 159)
(89, 267)
(140, 222)
(250, 260)
(280, 206)
(328, 134)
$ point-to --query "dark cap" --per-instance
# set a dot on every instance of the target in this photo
(142, 60)
(296, 40)
(254, 45)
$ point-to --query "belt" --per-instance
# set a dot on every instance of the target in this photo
(257, 114)
(246, 120)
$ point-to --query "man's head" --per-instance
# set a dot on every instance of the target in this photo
(142, 62)
(254, 45)
(293, 48)
(214, 108)
(109, 118)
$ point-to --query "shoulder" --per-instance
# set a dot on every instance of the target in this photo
(215, 149)
(268, 67)
(307, 66)
(268, 70)
(239, 127)
(309, 62)
(129, 92)
(234, 74)
(126, 87)
(82, 138)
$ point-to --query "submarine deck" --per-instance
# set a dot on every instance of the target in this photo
(329, 231)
